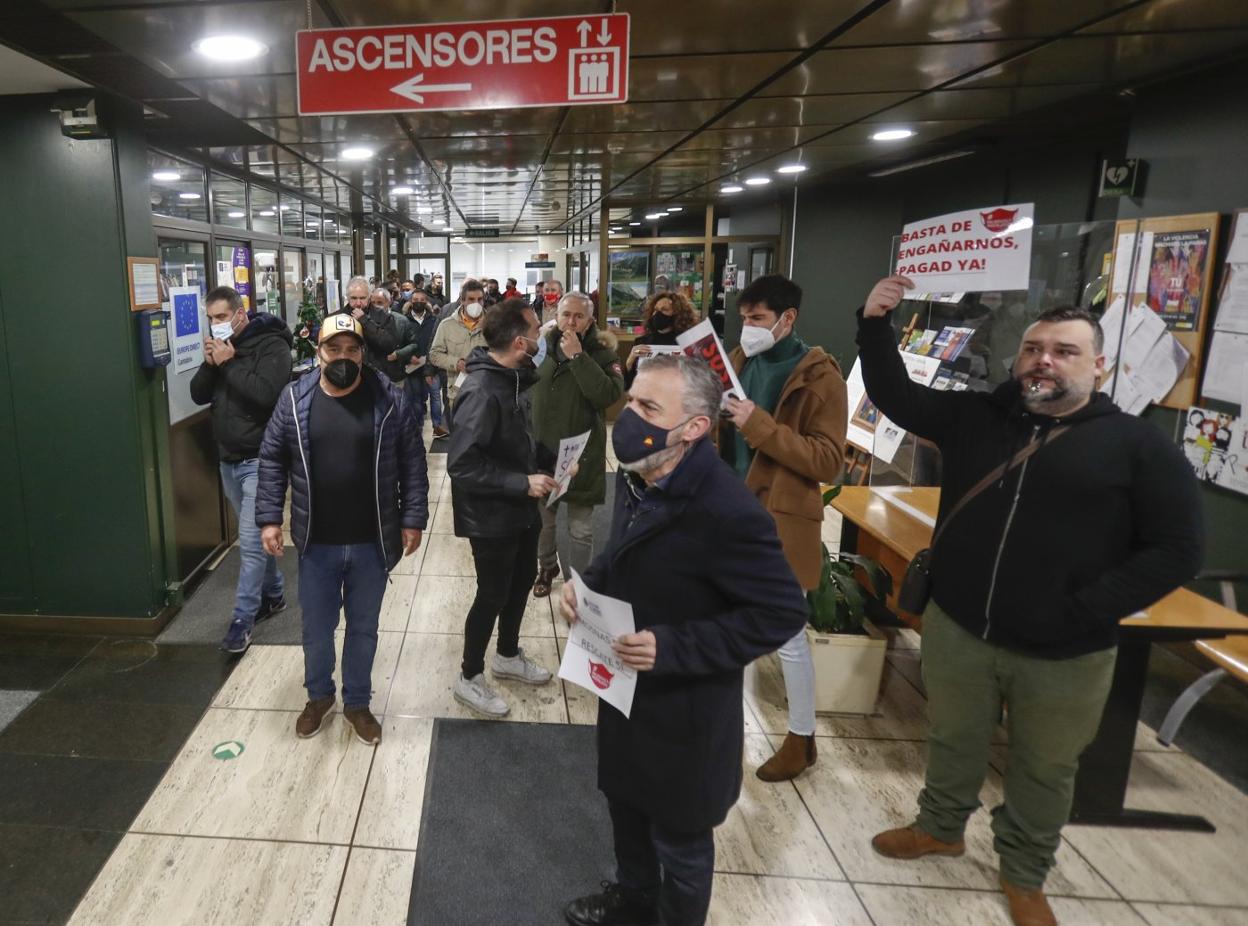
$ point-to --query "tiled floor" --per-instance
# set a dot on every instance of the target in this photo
(326, 830)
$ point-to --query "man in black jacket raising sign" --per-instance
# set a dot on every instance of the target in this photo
(1030, 578)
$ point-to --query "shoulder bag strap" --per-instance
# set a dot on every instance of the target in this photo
(997, 473)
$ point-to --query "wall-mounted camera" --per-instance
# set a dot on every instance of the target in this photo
(78, 116)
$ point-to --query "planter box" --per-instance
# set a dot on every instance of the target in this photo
(848, 668)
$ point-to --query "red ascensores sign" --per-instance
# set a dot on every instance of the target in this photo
(505, 64)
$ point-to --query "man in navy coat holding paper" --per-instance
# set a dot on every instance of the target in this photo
(699, 560)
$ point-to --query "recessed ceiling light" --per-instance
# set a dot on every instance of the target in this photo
(791, 169)
(892, 134)
(654, 215)
(166, 175)
(439, 221)
(236, 215)
(401, 191)
(731, 188)
(188, 196)
(424, 210)
(284, 208)
(675, 208)
(267, 212)
(634, 223)
(357, 154)
(230, 47)
(757, 181)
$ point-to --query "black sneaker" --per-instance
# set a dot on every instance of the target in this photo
(269, 607)
(617, 905)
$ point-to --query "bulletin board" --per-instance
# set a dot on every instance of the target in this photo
(1226, 366)
(1183, 302)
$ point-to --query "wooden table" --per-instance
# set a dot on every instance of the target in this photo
(891, 525)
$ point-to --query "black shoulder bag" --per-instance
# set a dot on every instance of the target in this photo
(916, 585)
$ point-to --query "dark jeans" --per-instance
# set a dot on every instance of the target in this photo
(506, 568)
(351, 578)
(418, 391)
(680, 866)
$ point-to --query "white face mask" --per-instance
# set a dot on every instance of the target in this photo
(223, 331)
(755, 340)
(474, 309)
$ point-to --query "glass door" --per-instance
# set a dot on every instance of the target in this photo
(268, 281)
(199, 519)
(292, 284)
(314, 282)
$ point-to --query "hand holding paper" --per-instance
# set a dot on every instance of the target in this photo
(603, 650)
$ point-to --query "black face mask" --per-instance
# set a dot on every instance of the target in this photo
(662, 323)
(342, 372)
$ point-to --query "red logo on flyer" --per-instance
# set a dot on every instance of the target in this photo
(600, 675)
(998, 220)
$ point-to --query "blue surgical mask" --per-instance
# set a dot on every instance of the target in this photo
(541, 351)
(634, 438)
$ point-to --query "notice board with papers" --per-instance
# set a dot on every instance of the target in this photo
(1165, 265)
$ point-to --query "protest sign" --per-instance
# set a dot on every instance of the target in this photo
(702, 341)
(588, 659)
(979, 250)
(570, 450)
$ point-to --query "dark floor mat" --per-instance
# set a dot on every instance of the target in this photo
(206, 615)
(514, 826)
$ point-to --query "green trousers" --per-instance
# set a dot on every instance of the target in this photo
(1052, 711)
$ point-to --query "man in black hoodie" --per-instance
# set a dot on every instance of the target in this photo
(1030, 578)
(246, 364)
(496, 481)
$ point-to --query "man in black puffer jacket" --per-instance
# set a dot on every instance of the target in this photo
(1030, 578)
(495, 484)
(246, 364)
(347, 443)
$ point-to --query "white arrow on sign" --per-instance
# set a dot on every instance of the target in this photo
(584, 29)
(413, 87)
(604, 36)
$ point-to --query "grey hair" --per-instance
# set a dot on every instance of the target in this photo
(577, 294)
(703, 392)
(358, 281)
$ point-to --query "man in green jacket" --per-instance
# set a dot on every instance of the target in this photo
(578, 381)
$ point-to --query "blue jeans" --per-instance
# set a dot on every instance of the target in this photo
(418, 390)
(332, 577)
(257, 571)
(679, 867)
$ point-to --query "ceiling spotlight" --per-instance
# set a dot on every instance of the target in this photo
(892, 134)
(188, 196)
(165, 176)
(675, 208)
(757, 181)
(732, 188)
(357, 154)
(654, 215)
(236, 214)
(634, 224)
(230, 47)
(791, 169)
(401, 191)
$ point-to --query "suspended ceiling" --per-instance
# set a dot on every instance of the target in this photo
(719, 91)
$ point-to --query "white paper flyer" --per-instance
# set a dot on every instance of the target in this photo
(588, 659)
(570, 450)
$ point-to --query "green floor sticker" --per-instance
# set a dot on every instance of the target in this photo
(230, 749)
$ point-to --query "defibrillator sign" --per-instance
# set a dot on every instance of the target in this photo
(501, 64)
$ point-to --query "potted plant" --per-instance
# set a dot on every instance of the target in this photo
(848, 649)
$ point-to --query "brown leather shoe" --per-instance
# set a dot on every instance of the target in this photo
(313, 717)
(795, 755)
(364, 723)
(545, 580)
(440, 431)
(1028, 906)
(909, 842)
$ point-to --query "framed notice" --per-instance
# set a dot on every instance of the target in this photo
(143, 274)
(1169, 272)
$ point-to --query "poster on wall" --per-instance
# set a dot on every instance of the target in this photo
(975, 251)
(188, 335)
(870, 429)
(1176, 275)
(1216, 445)
(241, 261)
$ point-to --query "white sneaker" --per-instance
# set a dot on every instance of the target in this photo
(521, 668)
(476, 694)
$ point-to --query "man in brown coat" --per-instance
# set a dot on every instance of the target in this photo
(786, 439)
